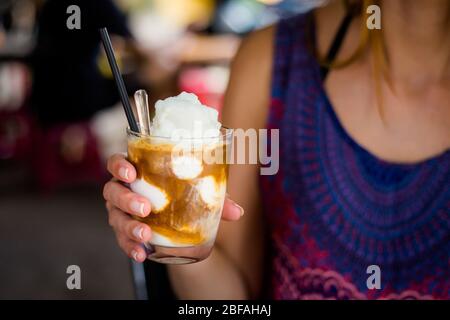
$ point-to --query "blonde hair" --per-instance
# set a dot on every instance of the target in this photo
(370, 39)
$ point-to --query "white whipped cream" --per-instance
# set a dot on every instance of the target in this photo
(186, 167)
(160, 240)
(157, 197)
(211, 192)
(184, 116)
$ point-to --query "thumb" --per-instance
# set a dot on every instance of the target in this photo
(231, 210)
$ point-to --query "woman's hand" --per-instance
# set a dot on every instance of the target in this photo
(122, 204)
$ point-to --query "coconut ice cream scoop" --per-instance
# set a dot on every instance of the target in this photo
(184, 116)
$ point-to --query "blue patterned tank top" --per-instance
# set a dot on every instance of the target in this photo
(340, 219)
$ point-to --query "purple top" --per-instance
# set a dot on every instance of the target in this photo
(334, 209)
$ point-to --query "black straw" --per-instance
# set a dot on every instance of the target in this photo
(119, 81)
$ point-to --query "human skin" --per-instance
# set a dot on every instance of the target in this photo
(415, 125)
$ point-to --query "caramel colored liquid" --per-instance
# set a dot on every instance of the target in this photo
(187, 218)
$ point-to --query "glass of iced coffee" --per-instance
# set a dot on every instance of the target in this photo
(182, 169)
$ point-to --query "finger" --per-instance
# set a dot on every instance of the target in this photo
(121, 169)
(132, 249)
(231, 210)
(126, 200)
(127, 226)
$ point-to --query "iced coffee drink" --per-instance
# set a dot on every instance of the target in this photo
(182, 170)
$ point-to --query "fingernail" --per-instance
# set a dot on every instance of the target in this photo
(138, 232)
(138, 207)
(134, 254)
(241, 210)
(123, 173)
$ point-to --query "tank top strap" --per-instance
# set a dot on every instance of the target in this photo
(294, 63)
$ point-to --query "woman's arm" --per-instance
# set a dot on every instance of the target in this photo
(234, 270)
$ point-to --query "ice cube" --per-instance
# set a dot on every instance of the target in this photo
(157, 165)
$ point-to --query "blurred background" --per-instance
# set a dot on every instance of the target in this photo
(60, 118)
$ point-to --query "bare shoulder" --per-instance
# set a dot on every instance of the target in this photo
(248, 91)
(257, 45)
(246, 106)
